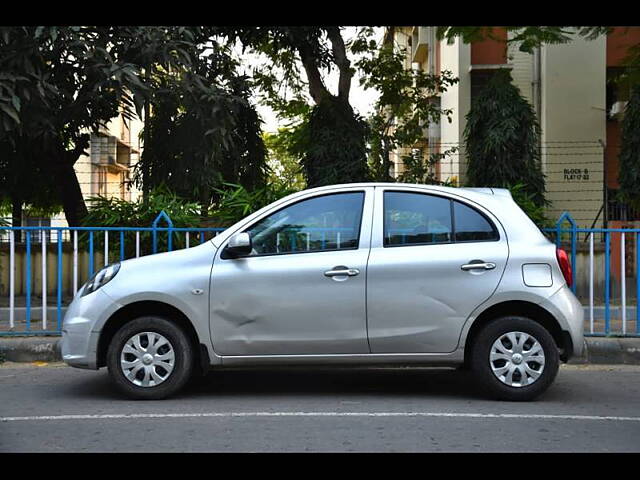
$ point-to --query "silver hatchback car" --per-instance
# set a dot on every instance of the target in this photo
(354, 274)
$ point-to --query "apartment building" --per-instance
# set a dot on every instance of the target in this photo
(570, 87)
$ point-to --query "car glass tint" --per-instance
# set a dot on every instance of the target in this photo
(471, 225)
(413, 218)
(328, 222)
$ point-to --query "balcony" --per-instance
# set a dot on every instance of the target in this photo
(420, 44)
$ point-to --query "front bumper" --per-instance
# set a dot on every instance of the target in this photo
(566, 308)
(81, 329)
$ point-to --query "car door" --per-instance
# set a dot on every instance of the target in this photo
(434, 258)
(302, 289)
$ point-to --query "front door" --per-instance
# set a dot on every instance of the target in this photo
(434, 259)
(302, 289)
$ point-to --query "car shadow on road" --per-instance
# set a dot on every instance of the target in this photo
(300, 382)
(318, 381)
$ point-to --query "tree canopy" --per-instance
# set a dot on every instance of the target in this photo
(59, 84)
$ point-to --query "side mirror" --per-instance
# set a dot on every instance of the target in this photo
(239, 245)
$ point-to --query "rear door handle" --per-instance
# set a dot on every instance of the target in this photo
(338, 271)
(479, 265)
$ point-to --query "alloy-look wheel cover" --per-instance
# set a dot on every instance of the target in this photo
(517, 359)
(147, 359)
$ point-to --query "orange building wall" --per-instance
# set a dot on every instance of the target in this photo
(611, 152)
(618, 42)
(490, 52)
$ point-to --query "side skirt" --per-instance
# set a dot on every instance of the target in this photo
(425, 359)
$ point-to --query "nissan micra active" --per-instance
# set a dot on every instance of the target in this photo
(354, 274)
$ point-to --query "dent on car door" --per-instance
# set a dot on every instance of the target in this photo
(433, 260)
(302, 290)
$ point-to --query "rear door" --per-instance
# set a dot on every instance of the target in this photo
(434, 258)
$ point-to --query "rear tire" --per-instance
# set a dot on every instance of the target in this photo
(150, 358)
(514, 358)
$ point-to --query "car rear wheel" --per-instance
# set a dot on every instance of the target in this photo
(149, 358)
(514, 358)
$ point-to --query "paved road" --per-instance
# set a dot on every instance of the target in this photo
(55, 408)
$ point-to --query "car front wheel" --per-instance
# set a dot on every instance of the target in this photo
(514, 358)
(149, 358)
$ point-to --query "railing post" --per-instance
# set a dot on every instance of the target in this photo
(44, 279)
(607, 272)
(12, 277)
(154, 225)
(90, 254)
(28, 280)
(638, 283)
(574, 240)
(59, 302)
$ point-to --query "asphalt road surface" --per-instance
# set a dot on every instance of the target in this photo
(55, 408)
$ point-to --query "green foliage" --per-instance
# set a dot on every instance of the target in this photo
(629, 175)
(284, 164)
(237, 202)
(57, 83)
(501, 138)
(112, 212)
(528, 204)
(417, 169)
(331, 143)
(201, 135)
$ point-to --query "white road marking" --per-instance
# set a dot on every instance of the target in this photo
(321, 414)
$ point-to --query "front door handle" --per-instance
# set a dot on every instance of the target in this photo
(341, 271)
(479, 265)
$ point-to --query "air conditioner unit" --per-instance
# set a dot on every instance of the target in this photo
(107, 151)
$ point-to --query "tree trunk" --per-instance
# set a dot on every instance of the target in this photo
(70, 195)
(16, 212)
(65, 177)
(16, 218)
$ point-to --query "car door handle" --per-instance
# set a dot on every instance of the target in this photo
(479, 265)
(338, 271)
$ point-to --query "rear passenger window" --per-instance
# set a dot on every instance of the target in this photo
(471, 225)
(420, 219)
(416, 218)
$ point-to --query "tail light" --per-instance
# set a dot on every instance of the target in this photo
(565, 265)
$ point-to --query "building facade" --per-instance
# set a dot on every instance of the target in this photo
(571, 90)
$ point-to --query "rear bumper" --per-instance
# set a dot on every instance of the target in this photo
(566, 308)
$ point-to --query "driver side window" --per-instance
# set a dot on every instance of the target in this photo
(328, 222)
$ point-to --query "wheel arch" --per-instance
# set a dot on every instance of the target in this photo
(148, 308)
(525, 309)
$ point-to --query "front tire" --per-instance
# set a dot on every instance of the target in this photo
(150, 358)
(514, 358)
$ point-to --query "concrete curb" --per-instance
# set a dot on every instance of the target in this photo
(610, 350)
(30, 349)
(606, 350)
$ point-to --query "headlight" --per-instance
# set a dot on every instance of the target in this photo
(100, 278)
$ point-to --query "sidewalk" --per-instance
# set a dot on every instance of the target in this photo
(598, 350)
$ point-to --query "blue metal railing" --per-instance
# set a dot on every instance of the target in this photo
(606, 313)
(609, 324)
(81, 244)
